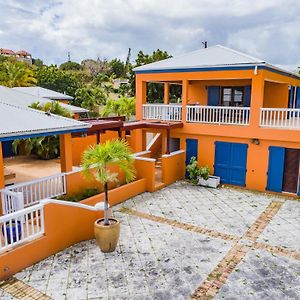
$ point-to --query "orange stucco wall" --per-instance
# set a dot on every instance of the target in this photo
(173, 167)
(64, 226)
(146, 169)
(197, 89)
(276, 95)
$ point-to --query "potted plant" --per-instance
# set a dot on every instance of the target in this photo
(96, 162)
(12, 230)
(208, 180)
(201, 175)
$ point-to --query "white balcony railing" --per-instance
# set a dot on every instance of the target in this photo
(285, 118)
(21, 226)
(163, 112)
(33, 191)
(218, 115)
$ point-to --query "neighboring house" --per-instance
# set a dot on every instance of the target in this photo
(45, 93)
(18, 98)
(21, 55)
(240, 115)
(27, 95)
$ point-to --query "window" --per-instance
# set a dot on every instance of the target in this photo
(232, 96)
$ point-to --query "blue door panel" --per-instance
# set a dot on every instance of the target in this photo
(213, 95)
(275, 169)
(191, 149)
(230, 162)
(247, 96)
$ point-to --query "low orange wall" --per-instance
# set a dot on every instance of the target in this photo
(120, 194)
(64, 226)
(173, 167)
(145, 168)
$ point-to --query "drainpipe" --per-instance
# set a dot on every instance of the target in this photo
(255, 70)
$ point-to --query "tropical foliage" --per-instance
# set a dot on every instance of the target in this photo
(16, 74)
(97, 160)
(45, 147)
(121, 107)
(90, 97)
(193, 170)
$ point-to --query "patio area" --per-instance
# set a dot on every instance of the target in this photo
(180, 242)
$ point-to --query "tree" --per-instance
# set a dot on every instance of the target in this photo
(15, 73)
(121, 107)
(117, 67)
(103, 156)
(154, 92)
(105, 82)
(89, 97)
(37, 62)
(70, 66)
(95, 67)
(45, 147)
(52, 78)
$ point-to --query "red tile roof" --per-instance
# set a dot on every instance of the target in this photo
(7, 51)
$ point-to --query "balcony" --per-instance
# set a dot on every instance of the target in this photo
(218, 115)
(172, 112)
(280, 118)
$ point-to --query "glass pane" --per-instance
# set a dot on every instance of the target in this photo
(238, 95)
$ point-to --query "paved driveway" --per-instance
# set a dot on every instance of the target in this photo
(184, 241)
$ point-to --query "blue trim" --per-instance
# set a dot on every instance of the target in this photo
(26, 136)
(206, 69)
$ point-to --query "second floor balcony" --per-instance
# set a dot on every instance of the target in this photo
(276, 118)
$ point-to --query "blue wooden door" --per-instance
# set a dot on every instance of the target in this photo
(275, 169)
(213, 95)
(191, 150)
(230, 162)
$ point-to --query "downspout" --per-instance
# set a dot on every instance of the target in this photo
(255, 70)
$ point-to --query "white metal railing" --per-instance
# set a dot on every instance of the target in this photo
(280, 118)
(21, 226)
(11, 201)
(171, 112)
(218, 115)
(36, 190)
(29, 223)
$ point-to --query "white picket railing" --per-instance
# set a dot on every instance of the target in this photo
(11, 201)
(21, 226)
(218, 115)
(29, 223)
(288, 118)
(171, 112)
(36, 190)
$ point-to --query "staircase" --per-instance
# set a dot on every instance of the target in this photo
(158, 174)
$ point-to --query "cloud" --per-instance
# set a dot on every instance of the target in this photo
(88, 29)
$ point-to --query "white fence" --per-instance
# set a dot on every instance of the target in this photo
(21, 226)
(29, 223)
(35, 190)
(218, 115)
(288, 118)
(163, 112)
(11, 201)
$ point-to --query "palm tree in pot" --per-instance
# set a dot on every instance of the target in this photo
(96, 162)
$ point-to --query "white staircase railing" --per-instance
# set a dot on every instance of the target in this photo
(36, 190)
(163, 112)
(21, 226)
(11, 201)
(288, 118)
(218, 115)
(29, 223)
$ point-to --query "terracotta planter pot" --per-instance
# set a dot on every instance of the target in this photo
(107, 236)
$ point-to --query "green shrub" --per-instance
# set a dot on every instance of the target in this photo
(80, 196)
(193, 170)
(204, 172)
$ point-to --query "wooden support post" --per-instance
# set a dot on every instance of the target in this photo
(257, 98)
(141, 97)
(66, 160)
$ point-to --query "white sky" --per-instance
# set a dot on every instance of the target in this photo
(269, 29)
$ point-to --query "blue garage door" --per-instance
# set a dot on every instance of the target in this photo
(191, 150)
(230, 162)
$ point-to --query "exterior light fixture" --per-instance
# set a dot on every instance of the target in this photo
(255, 141)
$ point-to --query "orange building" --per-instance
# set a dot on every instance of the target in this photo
(240, 116)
